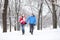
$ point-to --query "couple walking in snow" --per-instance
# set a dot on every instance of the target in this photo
(30, 19)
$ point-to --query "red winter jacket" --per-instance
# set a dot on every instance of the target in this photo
(22, 20)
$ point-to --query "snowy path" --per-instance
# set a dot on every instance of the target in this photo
(45, 34)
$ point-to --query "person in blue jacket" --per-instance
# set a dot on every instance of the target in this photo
(32, 21)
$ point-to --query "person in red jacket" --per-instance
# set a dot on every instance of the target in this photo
(22, 22)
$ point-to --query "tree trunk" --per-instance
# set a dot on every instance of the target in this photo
(15, 15)
(40, 13)
(38, 26)
(19, 15)
(17, 22)
(4, 16)
(18, 9)
(10, 18)
(54, 16)
(59, 19)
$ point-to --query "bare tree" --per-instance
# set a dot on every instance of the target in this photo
(10, 18)
(59, 19)
(18, 25)
(54, 16)
(17, 9)
(4, 16)
(15, 14)
(40, 15)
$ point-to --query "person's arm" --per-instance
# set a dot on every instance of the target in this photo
(27, 19)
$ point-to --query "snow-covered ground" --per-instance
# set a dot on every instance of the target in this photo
(45, 34)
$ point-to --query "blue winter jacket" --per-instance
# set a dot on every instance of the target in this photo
(31, 20)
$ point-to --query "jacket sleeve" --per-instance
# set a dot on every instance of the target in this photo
(27, 19)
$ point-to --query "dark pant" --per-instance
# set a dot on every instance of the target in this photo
(31, 28)
(23, 31)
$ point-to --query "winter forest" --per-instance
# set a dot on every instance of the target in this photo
(47, 14)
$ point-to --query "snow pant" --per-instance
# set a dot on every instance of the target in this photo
(23, 31)
(31, 28)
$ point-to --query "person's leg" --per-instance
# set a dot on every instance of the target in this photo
(32, 29)
(23, 31)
